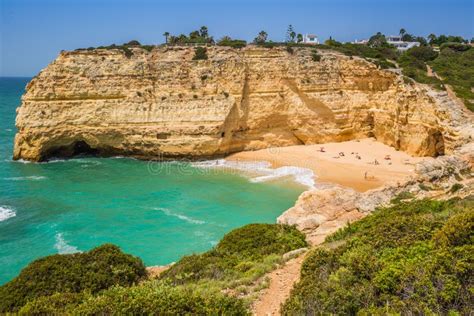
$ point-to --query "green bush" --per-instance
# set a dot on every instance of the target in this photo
(55, 304)
(93, 271)
(457, 69)
(424, 53)
(315, 56)
(459, 47)
(158, 298)
(232, 43)
(200, 53)
(412, 258)
(245, 252)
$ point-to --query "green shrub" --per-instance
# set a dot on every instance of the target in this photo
(200, 53)
(127, 52)
(259, 240)
(158, 298)
(424, 53)
(132, 43)
(405, 195)
(315, 56)
(460, 47)
(232, 43)
(456, 187)
(412, 258)
(246, 252)
(55, 304)
(457, 69)
(457, 231)
(93, 271)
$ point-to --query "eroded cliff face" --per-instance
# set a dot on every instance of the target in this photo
(164, 104)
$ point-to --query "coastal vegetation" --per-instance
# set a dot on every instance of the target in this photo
(104, 280)
(200, 53)
(455, 66)
(411, 258)
(91, 271)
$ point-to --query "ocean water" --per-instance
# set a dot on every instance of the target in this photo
(157, 211)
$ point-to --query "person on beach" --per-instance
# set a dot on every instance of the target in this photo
(321, 149)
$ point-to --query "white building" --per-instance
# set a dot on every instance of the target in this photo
(361, 42)
(401, 44)
(310, 39)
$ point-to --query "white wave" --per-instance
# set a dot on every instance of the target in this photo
(261, 171)
(19, 161)
(301, 175)
(33, 178)
(8, 129)
(181, 217)
(6, 213)
(62, 246)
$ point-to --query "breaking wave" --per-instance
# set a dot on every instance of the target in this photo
(6, 213)
(261, 171)
(62, 246)
(180, 216)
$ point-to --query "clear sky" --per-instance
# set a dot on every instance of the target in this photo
(32, 32)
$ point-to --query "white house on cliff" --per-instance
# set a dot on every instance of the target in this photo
(310, 39)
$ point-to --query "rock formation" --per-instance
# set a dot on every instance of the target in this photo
(320, 212)
(164, 104)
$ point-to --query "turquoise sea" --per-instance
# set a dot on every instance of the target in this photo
(157, 211)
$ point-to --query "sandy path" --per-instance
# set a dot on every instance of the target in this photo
(281, 283)
(329, 167)
(283, 279)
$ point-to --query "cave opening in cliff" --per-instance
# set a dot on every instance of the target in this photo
(76, 148)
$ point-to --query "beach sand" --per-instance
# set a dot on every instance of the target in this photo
(347, 170)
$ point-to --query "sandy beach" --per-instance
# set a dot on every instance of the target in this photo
(359, 164)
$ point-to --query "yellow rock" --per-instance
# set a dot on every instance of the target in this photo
(164, 104)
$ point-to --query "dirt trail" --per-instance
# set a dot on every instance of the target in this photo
(284, 278)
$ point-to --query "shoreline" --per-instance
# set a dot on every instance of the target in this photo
(358, 164)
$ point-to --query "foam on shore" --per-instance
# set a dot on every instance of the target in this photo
(261, 171)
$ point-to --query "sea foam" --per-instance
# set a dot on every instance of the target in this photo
(32, 178)
(6, 213)
(62, 246)
(261, 171)
(180, 216)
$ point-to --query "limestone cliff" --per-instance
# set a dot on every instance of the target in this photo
(164, 104)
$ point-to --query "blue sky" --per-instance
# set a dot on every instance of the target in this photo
(32, 32)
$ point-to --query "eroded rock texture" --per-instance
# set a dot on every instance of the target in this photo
(164, 104)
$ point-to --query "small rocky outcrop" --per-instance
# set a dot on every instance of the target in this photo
(163, 103)
(320, 212)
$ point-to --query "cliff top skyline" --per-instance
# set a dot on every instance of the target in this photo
(33, 32)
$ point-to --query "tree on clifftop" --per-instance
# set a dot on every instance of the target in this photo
(378, 40)
(290, 34)
(204, 32)
(299, 38)
(261, 38)
(166, 35)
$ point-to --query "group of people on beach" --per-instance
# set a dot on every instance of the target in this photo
(357, 156)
